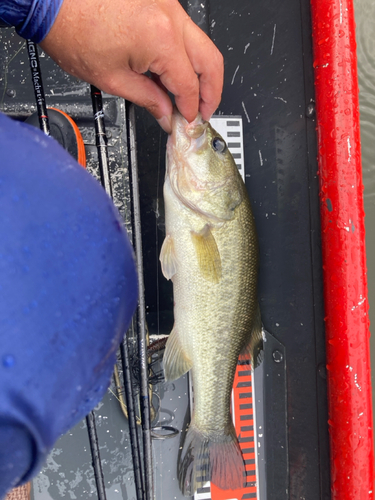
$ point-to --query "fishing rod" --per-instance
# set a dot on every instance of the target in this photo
(134, 437)
(95, 454)
(101, 139)
(102, 148)
(144, 489)
(142, 342)
(36, 76)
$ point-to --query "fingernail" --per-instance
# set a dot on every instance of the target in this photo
(206, 117)
(166, 123)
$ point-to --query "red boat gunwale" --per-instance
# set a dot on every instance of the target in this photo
(343, 243)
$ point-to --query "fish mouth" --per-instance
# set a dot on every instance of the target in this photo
(186, 141)
(186, 136)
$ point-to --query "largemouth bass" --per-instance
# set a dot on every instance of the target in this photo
(211, 255)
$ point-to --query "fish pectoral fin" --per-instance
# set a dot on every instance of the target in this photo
(253, 350)
(175, 360)
(168, 258)
(208, 254)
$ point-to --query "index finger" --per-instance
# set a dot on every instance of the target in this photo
(192, 57)
(208, 63)
(178, 77)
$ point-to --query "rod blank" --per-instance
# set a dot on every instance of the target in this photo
(36, 76)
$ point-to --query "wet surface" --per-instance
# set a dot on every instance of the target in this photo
(280, 151)
(68, 472)
(365, 29)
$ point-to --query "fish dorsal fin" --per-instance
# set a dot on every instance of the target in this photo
(175, 360)
(168, 258)
(208, 254)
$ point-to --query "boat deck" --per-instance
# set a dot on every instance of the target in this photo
(269, 85)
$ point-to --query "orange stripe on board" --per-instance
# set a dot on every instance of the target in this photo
(243, 412)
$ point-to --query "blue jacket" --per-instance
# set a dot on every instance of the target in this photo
(68, 289)
(32, 18)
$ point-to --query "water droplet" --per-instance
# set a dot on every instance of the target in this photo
(8, 361)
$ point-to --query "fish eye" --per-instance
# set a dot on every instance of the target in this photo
(219, 145)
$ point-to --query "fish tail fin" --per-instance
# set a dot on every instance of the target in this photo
(210, 457)
(253, 350)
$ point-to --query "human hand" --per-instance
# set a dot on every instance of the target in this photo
(112, 43)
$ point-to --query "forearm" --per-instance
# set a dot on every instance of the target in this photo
(132, 38)
(31, 18)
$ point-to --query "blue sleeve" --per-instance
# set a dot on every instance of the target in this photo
(32, 18)
(68, 289)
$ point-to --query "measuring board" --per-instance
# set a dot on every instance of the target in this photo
(230, 129)
(243, 400)
(243, 415)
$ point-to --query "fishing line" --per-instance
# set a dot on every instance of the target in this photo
(157, 238)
